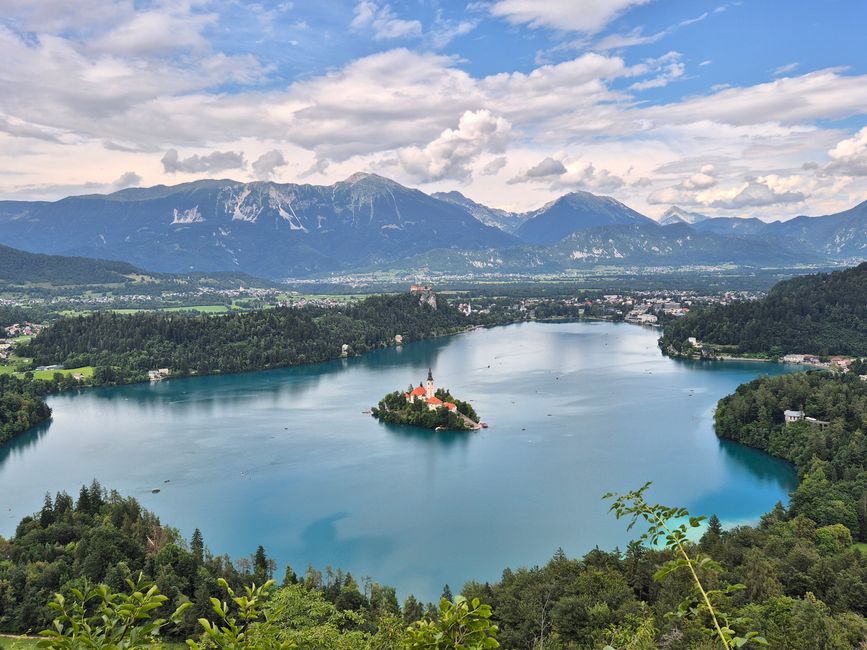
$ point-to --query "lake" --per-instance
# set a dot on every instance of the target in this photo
(285, 458)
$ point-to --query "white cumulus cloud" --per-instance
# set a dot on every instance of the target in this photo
(755, 194)
(450, 154)
(383, 21)
(587, 16)
(849, 156)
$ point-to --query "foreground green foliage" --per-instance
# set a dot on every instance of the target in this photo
(661, 522)
(255, 619)
(818, 314)
(97, 618)
(459, 625)
(804, 587)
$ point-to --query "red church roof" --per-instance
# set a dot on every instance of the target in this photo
(418, 391)
(434, 400)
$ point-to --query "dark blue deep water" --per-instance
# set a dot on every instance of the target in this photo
(286, 459)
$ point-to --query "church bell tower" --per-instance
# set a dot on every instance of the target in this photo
(429, 384)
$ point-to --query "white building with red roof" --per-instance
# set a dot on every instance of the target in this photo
(425, 392)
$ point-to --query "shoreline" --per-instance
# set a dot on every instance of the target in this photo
(729, 357)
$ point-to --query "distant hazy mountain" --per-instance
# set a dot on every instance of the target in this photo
(733, 226)
(266, 229)
(507, 221)
(574, 212)
(678, 215)
(840, 236)
(633, 245)
(677, 244)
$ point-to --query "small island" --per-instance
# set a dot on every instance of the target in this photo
(427, 406)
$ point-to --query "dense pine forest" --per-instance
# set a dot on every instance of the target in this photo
(124, 347)
(820, 314)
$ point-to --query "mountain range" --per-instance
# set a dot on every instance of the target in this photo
(278, 230)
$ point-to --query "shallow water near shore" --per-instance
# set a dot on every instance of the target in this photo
(286, 458)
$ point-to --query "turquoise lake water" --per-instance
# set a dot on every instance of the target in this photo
(286, 458)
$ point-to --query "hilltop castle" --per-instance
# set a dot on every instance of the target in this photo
(426, 392)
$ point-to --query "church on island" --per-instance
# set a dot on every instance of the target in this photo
(425, 392)
(429, 407)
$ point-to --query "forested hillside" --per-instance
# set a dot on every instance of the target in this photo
(20, 268)
(818, 314)
(21, 406)
(102, 537)
(831, 460)
(804, 587)
(125, 347)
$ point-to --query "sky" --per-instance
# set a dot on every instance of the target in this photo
(741, 108)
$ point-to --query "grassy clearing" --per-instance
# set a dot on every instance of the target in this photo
(205, 309)
(87, 371)
(861, 546)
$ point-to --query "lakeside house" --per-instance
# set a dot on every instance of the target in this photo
(799, 416)
(425, 392)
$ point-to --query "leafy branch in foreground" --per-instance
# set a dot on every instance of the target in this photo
(97, 618)
(662, 524)
(249, 627)
(461, 625)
